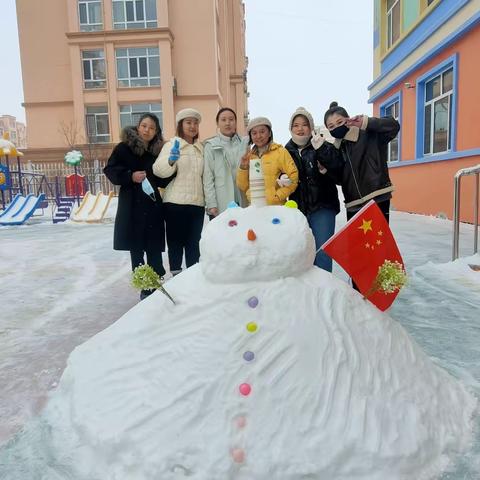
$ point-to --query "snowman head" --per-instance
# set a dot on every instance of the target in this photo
(266, 243)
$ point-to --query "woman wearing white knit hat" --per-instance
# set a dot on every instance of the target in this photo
(316, 195)
(184, 200)
(267, 172)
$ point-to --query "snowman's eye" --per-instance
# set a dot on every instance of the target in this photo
(232, 223)
(275, 221)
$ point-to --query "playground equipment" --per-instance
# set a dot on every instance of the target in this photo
(14, 182)
(92, 208)
(61, 188)
(21, 209)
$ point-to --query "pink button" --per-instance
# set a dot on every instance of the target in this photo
(238, 455)
(245, 389)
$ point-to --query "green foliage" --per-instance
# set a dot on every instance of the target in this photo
(390, 277)
(146, 278)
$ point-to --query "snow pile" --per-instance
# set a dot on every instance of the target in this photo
(287, 378)
(464, 272)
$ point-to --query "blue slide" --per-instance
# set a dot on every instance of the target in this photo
(21, 209)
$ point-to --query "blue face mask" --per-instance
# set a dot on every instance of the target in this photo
(148, 189)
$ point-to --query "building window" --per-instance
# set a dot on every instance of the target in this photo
(438, 113)
(130, 114)
(94, 75)
(134, 14)
(138, 67)
(437, 109)
(393, 22)
(392, 108)
(393, 111)
(98, 129)
(90, 15)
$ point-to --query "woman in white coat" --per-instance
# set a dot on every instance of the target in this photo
(222, 156)
(183, 200)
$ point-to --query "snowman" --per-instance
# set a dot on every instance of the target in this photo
(265, 368)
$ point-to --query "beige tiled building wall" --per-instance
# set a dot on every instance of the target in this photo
(91, 66)
(16, 130)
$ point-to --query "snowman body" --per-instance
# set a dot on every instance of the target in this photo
(266, 369)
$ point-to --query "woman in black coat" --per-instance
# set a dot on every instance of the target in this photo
(363, 144)
(316, 194)
(139, 223)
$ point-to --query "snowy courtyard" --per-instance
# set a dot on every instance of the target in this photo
(62, 284)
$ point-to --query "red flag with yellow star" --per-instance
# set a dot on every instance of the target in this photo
(361, 247)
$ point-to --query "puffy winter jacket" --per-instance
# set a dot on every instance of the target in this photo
(187, 186)
(275, 161)
(315, 190)
(365, 154)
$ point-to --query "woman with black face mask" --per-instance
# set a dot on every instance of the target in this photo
(363, 144)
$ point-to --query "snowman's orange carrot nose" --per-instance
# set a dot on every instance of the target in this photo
(251, 235)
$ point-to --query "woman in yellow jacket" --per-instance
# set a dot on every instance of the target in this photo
(267, 172)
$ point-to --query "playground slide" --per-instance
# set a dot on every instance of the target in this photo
(81, 213)
(100, 207)
(21, 209)
(14, 205)
(93, 208)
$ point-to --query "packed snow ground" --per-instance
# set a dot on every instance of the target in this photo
(61, 284)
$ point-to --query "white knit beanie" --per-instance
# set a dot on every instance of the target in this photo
(188, 113)
(255, 122)
(306, 114)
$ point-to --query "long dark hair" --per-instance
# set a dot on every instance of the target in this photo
(180, 132)
(332, 110)
(158, 138)
(225, 109)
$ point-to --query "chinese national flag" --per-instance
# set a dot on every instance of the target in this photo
(361, 247)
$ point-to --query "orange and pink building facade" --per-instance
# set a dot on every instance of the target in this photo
(91, 67)
(426, 74)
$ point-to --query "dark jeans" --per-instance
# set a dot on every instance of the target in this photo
(154, 259)
(385, 208)
(322, 223)
(184, 226)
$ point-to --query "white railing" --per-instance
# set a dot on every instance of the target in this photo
(456, 208)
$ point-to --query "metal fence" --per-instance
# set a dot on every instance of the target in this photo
(456, 207)
(49, 178)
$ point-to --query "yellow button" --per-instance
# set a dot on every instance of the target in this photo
(252, 327)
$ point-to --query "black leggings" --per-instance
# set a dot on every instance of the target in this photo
(154, 259)
(184, 227)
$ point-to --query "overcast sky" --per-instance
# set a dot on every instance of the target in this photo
(301, 53)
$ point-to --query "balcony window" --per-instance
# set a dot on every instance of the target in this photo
(90, 15)
(134, 14)
(138, 67)
(94, 74)
(98, 128)
(130, 114)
